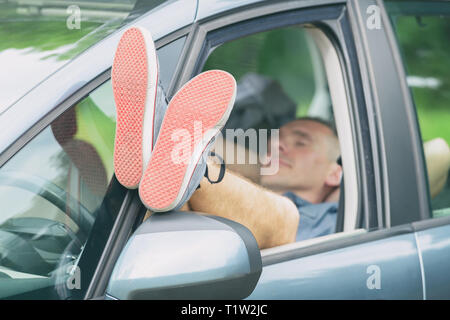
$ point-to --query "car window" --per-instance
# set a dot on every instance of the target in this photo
(50, 195)
(280, 77)
(422, 31)
(59, 198)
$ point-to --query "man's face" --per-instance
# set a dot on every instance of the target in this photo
(306, 154)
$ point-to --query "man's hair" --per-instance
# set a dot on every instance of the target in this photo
(326, 123)
(334, 152)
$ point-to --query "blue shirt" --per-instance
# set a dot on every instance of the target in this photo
(315, 219)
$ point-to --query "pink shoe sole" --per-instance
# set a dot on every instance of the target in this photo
(206, 102)
(134, 78)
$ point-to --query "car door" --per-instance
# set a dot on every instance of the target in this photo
(371, 258)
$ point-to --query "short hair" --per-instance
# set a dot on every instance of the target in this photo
(334, 152)
(326, 123)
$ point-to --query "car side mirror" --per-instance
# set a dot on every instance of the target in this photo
(186, 255)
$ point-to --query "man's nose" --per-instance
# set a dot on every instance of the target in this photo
(282, 146)
(279, 144)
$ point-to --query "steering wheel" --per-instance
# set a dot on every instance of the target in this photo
(54, 194)
(62, 200)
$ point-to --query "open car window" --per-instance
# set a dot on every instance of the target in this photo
(280, 77)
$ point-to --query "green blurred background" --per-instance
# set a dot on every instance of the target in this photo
(425, 46)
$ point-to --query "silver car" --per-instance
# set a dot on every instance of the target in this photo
(376, 69)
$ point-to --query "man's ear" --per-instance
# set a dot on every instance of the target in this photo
(334, 176)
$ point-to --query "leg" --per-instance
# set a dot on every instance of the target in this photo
(273, 219)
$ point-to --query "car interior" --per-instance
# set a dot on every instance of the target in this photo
(292, 72)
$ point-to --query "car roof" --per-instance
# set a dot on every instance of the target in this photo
(39, 37)
(208, 8)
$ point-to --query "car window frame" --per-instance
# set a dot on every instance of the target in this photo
(404, 187)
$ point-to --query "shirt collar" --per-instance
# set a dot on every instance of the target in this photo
(299, 202)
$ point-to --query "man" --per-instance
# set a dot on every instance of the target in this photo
(305, 187)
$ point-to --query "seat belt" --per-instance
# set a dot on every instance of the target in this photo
(341, 204)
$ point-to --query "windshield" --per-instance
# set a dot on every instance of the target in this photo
(38, 37)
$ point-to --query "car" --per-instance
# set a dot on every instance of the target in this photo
(69, 230)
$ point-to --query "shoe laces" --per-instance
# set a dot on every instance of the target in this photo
(222, 169)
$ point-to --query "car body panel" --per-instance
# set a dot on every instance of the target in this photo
(434, 246)
(347, 273)
(28, 110)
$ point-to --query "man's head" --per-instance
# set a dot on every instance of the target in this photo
(308, 150)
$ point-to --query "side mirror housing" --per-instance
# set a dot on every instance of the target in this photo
(185, 255)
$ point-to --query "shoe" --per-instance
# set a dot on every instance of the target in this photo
(137, 94)
(194, 117)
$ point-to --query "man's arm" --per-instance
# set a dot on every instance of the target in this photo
(273, 219)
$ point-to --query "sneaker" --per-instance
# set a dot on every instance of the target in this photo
(194, 117)
(134, 78)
